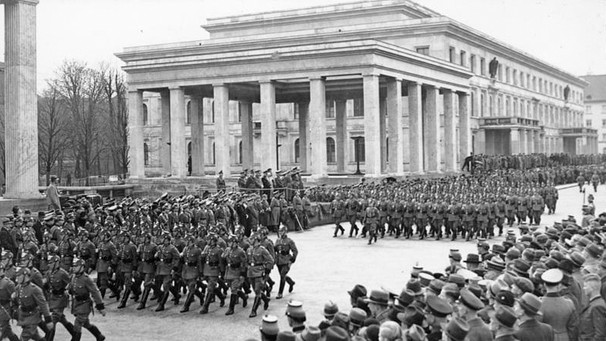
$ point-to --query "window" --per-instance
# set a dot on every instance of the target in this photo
(490, 106)
(452, 54)
(522, 79)
(515, 77)
(240, 152)
(603, 123)
(588, 109)
(359, 151)
(588, 123)
(472, 63)
(473, 104)
(212, 116)
(330, 109)
(507, 108)
(507, 75)
(463, 58)
(297, 151)
(500, 72)
(296, 110)
(330, 150)
(188, 115)
(145, 118)
(358, 107)
(214, 154)
(482, 105)
(145, 154)
(482, 66)
(534, 83)
(423, 50)
(540, 85)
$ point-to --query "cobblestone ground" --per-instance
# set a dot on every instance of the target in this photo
(326, 268)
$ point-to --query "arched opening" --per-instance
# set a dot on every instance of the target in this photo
(189, 158)
(330, 150)
(297, 151)
(145, 154)
(188, 115)
(240, 152)
(145, 118)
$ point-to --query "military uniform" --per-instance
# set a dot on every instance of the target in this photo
(212, 261)
(258, 258)
(168, 261)
(7, 288)
(286, 254)
(58, 281)
(147, 268)
(32, 305)
(235, 262)
(192, 265)
(81, 289)
(337, 208)
(105, 265)
(128, 264)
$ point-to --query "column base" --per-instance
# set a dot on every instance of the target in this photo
(23, 195)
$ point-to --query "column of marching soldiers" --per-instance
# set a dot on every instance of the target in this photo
(207, 246)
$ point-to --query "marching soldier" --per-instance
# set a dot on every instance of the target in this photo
(82, 288)
(147, 267)
(351, 207)
(192, 255)
(258, 258)
(235, 260)
(286, 255)
(211, 258)
(127, 266)
(31, 304)
(168, 261)
(57, 281)
(337, 208)
(7, 288)
(269, 246)
(371, 220)
(106, 262)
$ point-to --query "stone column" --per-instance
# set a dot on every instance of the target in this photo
(247, 135)
(222, 159)
(21, 102)
(464, 126)
(372, 136)
(268, 126)
(450, 133)
(396, 135)
(197, 136)
(136, 165)
(514, 141)
(480, 143)
(383, 133)
(178, 151)
(317, 126)
(431, 129)
(165, 119)
(341, 127)
(415, 130)
(303, 136)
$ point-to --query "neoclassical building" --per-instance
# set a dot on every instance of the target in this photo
(387, 85)
(595, 107)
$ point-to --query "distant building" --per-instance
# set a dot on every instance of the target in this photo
(389, 83)
(595, 107)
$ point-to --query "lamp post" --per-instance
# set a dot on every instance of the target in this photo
(357, 156)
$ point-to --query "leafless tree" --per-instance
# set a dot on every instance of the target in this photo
(52, 129)
(117, 133)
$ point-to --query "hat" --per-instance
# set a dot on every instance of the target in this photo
(472, 258)
(524, 284)
(358, 291)
(390, 330)
(372, 332)
(413, 315)
(513, 253)
(577, 259)
(552, 276)
(530, 303)
(498, 249)
(456, 256)
(566, 266)
(269, 325)
(286, 335)
(415, 333)
(415, 271)
(470, 300)
(521, 267)
(438, 306)
(334, 333)
(415, 286)
(357, 316)
(593, 250)
(311, 333)
(457, 279)
(425, 278)
(330, 309)
(378, 297)
(457, 329)
(407, 297)
(506, 316)
(496, 263)
(436, 286)
(505, 297)
(294, 306)
(551, 263)
(451, 289)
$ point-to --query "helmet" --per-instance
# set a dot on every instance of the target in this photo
(283, 230)
(53, 259)
(77, 262)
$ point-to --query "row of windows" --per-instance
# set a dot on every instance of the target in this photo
(589, 123)
(508, 75)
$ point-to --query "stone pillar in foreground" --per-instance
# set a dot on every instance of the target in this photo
(178, 150)
(247, 135)
(431, 129)
(394, 126)
(341, 128)
(514, 141)
(269, 143)
(136, 163)
(303, 135)
(197, 136)
(450, 134)
(464, 127)
(372, 135)
(165, 120)
(317, 126)
(21, 102)
(415, 114)
(222, 160)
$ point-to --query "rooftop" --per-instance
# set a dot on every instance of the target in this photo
(596, 90)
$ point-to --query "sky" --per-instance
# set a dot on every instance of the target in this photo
(569, 34)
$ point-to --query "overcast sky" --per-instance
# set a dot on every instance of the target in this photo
(570, 34)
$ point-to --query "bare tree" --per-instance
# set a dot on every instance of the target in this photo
(115, 96)
(52, 129)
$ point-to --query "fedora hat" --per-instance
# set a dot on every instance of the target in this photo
(416, 333)
(311, 333)
(357, 316)
(335, 333)
(457, 329)
(530, 303)
(358, 291)
(378, 297)
(472, 258)
(330, 309)
(506, 316)
(286, 335)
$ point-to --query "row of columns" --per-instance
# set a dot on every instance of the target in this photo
(425, 141)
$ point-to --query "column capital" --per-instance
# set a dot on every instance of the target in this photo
(370, 74)
(219, 85)
(171, 88)
(317, 78)
(10, 2)
(266, 81)
(446, 90)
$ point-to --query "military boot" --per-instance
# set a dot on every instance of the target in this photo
(206, 303)
(291, 283)
(232, 302)
(77, 336)
(68, 325)
(281, 289)
(124, 299)
(96, 332)
(144, 298)
(163, 301)
(253, 312)
(188, 301)
(244, 298)
(265, 301)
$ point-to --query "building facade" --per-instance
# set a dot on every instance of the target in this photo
(386, 85)
(595, 107)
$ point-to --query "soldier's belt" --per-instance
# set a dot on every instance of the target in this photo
(107, 259)
(256, 264)
(58, 292)
(28, 308)
(284, 253)
(234, 266)
(82, 297)
(213, 263)
(192, 263)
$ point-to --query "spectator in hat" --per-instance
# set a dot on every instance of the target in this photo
(390, 331)
(455, 262)
(296, 320)
(52, 195)
(310, 333)
(557, 311)
(269, 328)
(468, 308)
(357, 291)
(378, 303)
(437, 311)
(330, 309)
(592, 324)
(456, 330)
(503, 324)
(530, 329)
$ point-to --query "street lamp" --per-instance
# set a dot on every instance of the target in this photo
(357, 140)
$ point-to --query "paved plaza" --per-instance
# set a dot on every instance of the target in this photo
(326, 268)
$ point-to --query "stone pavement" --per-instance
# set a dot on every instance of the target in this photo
(326, 268)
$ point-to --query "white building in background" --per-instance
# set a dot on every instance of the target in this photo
(595, 107)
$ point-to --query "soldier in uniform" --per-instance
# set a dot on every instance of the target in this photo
(168, 261)
(7, 288)
(371, 220)
(538, 206)
(127, 266)
(57, 280)
(106, 262)
(297, 205)
(220, 182)
(408, 218)
(67, 249)
(82, 288)
(275, 208)
(86, 250)
(258, 258)
(337, 208)
(191, 271)
(147, 267)
(31, 304)
(235, 261)
(307, 212)
(286, 255)
(351, 208)
(211, 258)
(269, 246)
